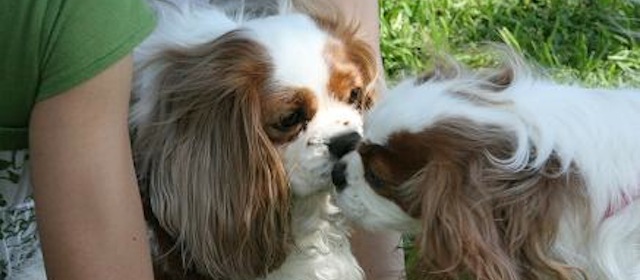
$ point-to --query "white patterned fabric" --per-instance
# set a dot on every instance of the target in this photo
(20, 254)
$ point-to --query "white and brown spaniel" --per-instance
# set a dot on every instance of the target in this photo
(241, 111)
(502, 175)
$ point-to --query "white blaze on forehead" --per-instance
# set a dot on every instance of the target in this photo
(406, 108)
(296, 46)
(413, 108)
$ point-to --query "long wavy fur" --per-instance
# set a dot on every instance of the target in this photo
(204, 158)
(491, 201)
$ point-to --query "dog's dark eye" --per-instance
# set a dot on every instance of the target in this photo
(355, 95)
(295, 118)
(373, 179)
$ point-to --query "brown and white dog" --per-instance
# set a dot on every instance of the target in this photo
(241, 112)
(502, 175)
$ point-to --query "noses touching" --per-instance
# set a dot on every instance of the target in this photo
(338, 147)
(344, 143)
(338, 175)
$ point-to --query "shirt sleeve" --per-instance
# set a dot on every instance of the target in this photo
(87, 36)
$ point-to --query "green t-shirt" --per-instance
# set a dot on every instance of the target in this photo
(50, 46)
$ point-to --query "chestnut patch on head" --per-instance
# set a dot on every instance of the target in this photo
(344, 76)
(350, 73)
(406, 154)
(286, 113)
(388, 167)
(478, 218)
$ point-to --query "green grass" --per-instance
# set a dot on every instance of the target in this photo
(584, 40)
(595, 42)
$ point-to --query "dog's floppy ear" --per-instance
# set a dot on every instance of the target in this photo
(486, 219)
(215, 182)
(458, 233)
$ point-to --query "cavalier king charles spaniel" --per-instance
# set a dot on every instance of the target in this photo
(502, 174)
(240, 112)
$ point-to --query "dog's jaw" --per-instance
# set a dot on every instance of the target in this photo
(371, 211)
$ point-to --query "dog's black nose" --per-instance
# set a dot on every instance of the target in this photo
(338, 175)
(344, 143)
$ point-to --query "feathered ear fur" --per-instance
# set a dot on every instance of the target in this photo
(215, 182)
(483, 218)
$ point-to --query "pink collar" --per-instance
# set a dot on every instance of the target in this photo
(625, 200)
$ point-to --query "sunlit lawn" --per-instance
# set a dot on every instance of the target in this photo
(592, 41)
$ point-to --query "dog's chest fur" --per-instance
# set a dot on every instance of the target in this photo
(322, 243)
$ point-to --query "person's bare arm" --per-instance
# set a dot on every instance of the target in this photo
(88, 206)
(365, 12)
(377, 252)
